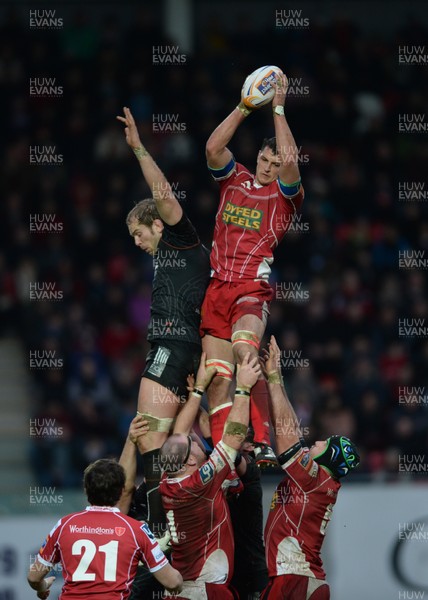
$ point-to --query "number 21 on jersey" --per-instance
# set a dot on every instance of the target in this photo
(88, 550)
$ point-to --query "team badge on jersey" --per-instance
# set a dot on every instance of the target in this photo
(206, 472)
(146, 529)
(308, 464)
(305, 459)
(119, 531)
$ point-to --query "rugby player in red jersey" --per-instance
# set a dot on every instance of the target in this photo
(193, 496)
(254, 214)
(99, 548)
(302, 504)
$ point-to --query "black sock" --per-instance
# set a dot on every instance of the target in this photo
(156, 515)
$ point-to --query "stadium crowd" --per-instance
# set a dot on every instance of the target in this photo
(344, 361)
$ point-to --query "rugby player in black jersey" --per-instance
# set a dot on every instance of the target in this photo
(181, 274)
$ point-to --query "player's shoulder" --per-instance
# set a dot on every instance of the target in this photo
(121, 520)
(145, 531)
(72, 519)
(242, 171)
(302, 462)
(125, 521)
(182, 233)
(73, 516)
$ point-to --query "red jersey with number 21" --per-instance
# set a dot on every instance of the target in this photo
(251, 221)
(99, 549)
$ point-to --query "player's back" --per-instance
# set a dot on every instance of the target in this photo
(181, 276)
(99, 549)
(299, 514)
(201, 529)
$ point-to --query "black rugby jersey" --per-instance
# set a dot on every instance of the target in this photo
(182, 271)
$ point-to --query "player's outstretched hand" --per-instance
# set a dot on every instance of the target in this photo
(248, 372)
(138, 427)
(271, 359)
(204, 374)
(280, 86)
(45, 594)
(131, 131)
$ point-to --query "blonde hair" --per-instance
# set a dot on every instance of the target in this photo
(145, 212)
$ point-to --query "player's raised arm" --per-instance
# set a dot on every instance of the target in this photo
(283, 417)
(128, 460)
(218, 155)
(286, 146)
(235, 430)
(190, 410)
(167, 204)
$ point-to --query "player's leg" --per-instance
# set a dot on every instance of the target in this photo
(296, 587)
(162, 387)
(159, 406)
(247, 331)
(286, 587)
(318, 589)
(220, 355)
(216, 333)
(250, 575)
(275, 589)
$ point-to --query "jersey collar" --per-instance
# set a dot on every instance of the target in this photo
(103, 508)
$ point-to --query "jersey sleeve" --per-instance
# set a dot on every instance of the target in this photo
(49, 552)
(209, 477)
(225, 172)
(304, 471)
(182, 235)
(293, 195)
(150, 549)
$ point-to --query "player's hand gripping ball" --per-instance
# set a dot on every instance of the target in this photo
(257, 89)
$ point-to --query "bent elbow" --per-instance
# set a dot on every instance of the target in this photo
(211, 149)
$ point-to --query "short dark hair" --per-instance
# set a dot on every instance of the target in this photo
(174, 453)
(104, 481)
(269, 143)
(145, 212)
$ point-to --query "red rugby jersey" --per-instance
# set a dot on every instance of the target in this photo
(99, 549)
(251, 221)
(299, 513)
(199, 520)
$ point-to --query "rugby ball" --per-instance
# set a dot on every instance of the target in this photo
(257, 89)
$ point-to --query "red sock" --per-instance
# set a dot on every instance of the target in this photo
(259, 412)
(218, 421)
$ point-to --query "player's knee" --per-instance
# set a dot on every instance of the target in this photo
(244, 341)
(224, 369)
(218, 390)
(151, 441)
(159, 428)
